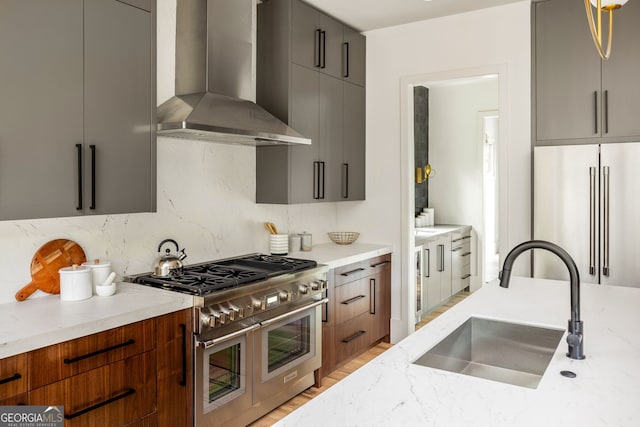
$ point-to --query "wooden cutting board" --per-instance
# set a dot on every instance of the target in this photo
(46, 262)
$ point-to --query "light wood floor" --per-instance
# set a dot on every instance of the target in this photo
(343, 371)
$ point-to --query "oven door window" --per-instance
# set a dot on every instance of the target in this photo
(227, 377)
(288, 343)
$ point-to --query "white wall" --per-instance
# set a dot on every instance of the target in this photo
(494, 37)
(456, 150)
(206, 201)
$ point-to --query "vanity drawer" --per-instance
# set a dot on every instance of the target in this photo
(13, 376)
(59, 361)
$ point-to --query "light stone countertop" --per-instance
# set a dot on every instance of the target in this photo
(424, 234)
(335, 255)
(39, 322)
(391, 391)
(43, 321)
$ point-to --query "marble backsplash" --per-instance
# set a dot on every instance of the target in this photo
(206, 201)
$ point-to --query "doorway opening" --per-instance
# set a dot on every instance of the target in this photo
(489, 140)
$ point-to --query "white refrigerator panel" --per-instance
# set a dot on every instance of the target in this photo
(620, 224)
(565, 208)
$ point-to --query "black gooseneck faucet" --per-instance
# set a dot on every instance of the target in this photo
(575, 336)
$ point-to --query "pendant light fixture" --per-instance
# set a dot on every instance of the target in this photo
(596, 24)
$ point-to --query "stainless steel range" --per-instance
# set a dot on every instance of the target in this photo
(257, 323)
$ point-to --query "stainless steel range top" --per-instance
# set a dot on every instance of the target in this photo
(237, 292)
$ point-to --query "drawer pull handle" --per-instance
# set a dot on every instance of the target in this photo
(183, 329)
(354, 299)
(354, 336)
(466, 254)
(380, 264)
(349, 273)
(14, 377)
(459, 248)
(128, 392)
(95, 353)
(466, 276)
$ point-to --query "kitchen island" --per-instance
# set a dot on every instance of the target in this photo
(391, 390)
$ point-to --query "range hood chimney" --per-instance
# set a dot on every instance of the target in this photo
(215, 78)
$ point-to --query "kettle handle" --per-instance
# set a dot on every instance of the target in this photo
(169, 241)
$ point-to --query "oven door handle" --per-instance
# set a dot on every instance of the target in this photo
(291, 313)
(210, 343)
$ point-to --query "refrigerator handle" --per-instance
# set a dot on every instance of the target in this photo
(592, 221)
(605, 219)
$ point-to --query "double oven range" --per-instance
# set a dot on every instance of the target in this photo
(258, 335)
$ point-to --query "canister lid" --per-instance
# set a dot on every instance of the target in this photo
(74, 269)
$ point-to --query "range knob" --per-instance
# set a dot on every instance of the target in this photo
(285, 296)
(232, 314)
(240, 312)
(315, 285)
(260, 304)
(223, 318)
(213, 320)
(303, 289)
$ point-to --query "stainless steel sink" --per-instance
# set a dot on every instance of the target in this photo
(511, 353)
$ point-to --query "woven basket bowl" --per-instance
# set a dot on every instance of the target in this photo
(343, 237)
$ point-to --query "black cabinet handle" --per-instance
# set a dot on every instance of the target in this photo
(345, 59)
(325, 314)
(93, 176)
(606, 111)
(595, 110)
(323, 38)
(318, 48)
(98, 352)
(349, 273)
(79, 152)
(13, 377)
(183, 328)
(126, 393)
(316, 180)
(345, 180)
(427, 258)
(466, 276)
(322, 182)
(372, 289)
(354, 299)
(380, 264)
(354, 336)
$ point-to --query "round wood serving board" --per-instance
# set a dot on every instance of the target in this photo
(46, 262)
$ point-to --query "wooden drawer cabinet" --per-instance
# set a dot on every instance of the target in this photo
(112, 395)
(353, 337)
(359, 310)
(353, 300)
(72, 357)
(13, 376)
(139, 374)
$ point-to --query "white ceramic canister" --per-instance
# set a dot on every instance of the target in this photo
(100, 270)
(75, 283)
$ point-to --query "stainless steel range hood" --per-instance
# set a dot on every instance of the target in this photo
(215, 78)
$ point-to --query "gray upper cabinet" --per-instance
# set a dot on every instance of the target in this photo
(317, 101)
(40, 108)
(621, 91)
(354, 56)
(316, 39)
(79, 101)
(578, 98)
(119, 113)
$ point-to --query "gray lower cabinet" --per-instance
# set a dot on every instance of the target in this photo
(321, 105)
(578, 98)
(78, 108)
(437, 272)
